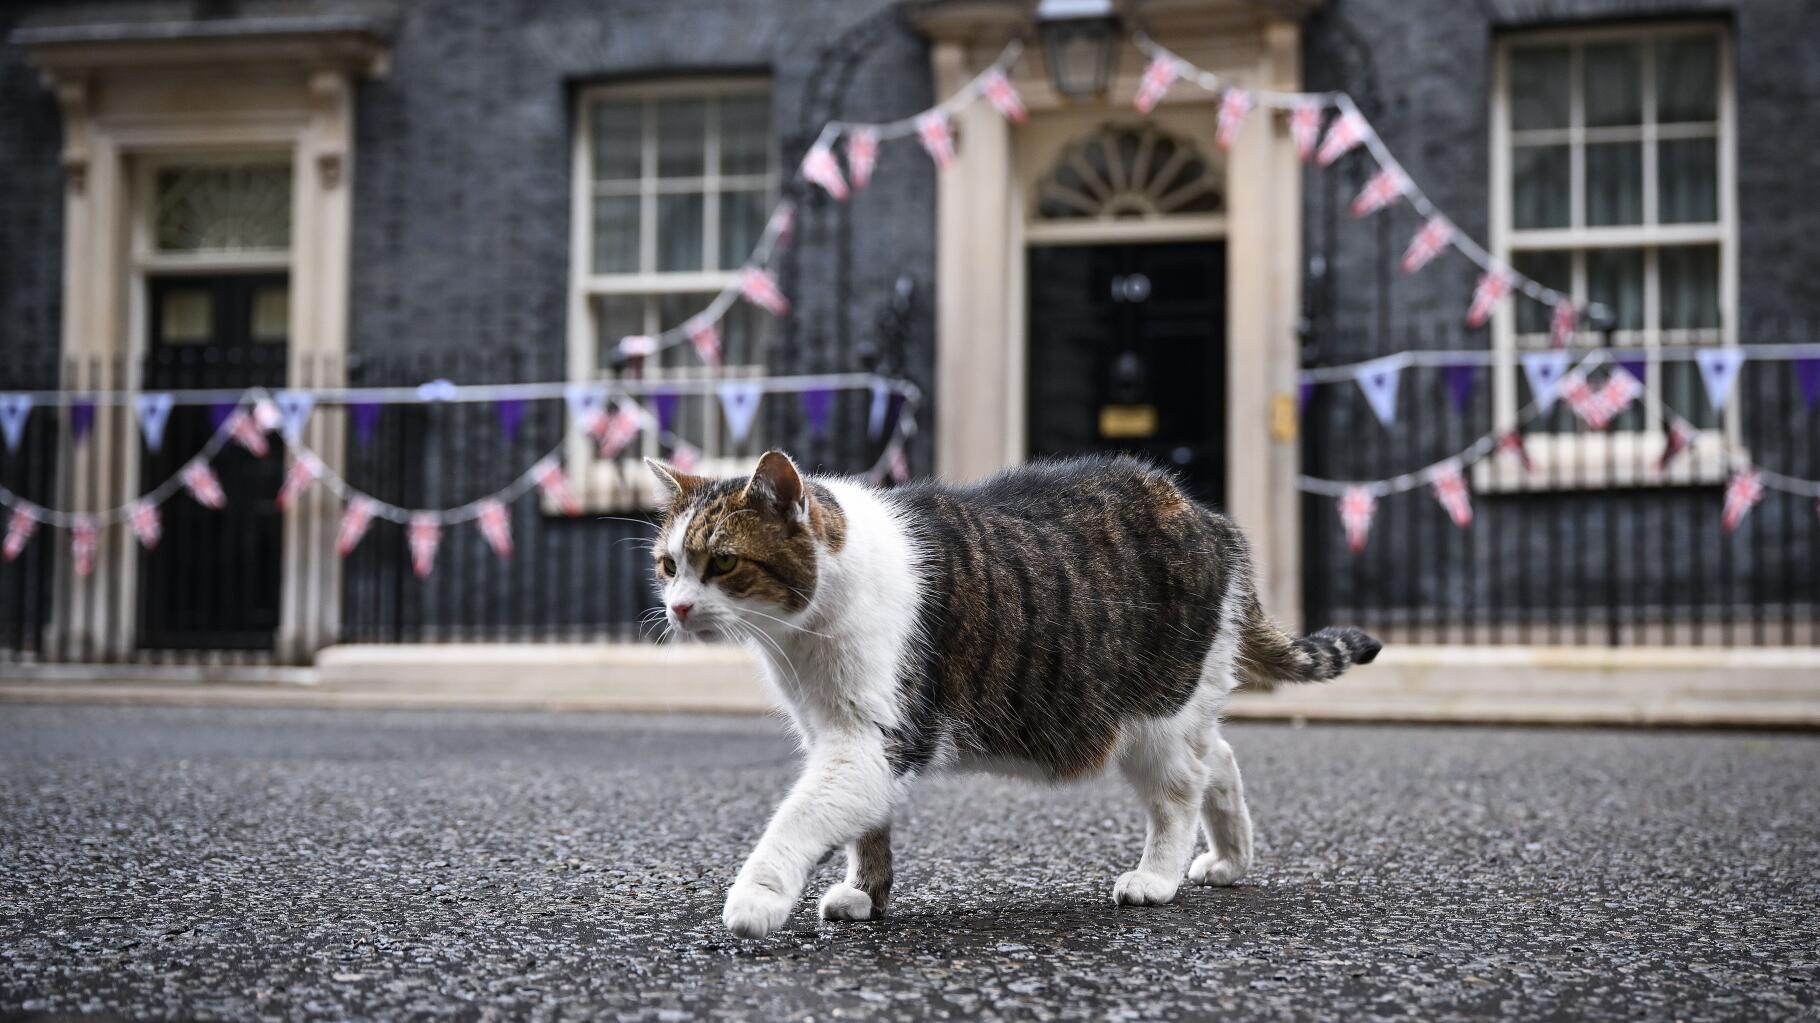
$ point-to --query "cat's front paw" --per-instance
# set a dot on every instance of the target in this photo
(1141, 888)
(754, 911)
(1210, 868)
(845, 902)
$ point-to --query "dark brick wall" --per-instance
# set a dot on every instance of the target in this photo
(31, 221)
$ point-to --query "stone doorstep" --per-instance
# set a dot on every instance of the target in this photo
(1506, 685)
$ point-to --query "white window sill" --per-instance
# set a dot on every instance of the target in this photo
(1602, 461)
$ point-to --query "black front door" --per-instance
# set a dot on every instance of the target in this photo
(212, 582)
(1128, 353)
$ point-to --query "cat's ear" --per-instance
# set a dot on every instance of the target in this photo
(673, 485)
(779, 487)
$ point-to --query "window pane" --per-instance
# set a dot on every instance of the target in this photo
(745, 134)
(742, 220)
(1538, 88)
(1690, 286)
(618, 141)
(1540, 193)
(272, 314)
(1615, 277)
(1687, 80)
(223, 209)
(679, 232)
(616, 234)
(682, 137)
(746, 334)
(1554, 269)
(1614, 183)
(1687, 181)
(617, 316)
(1683, 392)
(1614, 85)
(188, 317)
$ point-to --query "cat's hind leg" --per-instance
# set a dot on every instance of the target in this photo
(1227, 820)
(862, 896)
(1163, 761)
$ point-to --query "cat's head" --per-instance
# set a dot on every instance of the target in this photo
(743, 552)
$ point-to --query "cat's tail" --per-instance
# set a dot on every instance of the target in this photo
(1268, 655)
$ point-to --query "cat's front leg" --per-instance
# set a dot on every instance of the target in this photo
(845, 791)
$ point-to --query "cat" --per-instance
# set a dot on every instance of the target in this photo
(1051, 620)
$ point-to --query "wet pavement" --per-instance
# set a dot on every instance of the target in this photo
(227, 864)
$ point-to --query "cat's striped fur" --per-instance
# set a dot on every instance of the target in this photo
(1051, 620)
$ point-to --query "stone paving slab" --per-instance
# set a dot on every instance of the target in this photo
(280, 863)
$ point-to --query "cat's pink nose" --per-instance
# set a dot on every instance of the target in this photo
(681, 611)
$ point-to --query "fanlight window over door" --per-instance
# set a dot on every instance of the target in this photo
(1129, 172)
(221, 208)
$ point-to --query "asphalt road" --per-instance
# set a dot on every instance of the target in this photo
(211, 863)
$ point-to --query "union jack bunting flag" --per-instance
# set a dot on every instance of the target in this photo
(555, 486)
(637, 346)
(933, 132)
(782, 225)
(83, 541)
(19, 530)
(1305, 127)
(760, 289)
(247, 434)
(622, 426)
(1384, 188)
(1493, 285)
(1158, 77)
(862, 156)
(705, 336)
(354, 523)
(1234, 106)
(1511, 443)
(1741, 495)
(1428, 243)
(1450, 490)
(1357, 507)
(200, 481)
(424, 536)
(496, 526)
(303, 472)
(1619, 391)
(1561, 324)
(1342, 136)
(143, 515)
(685, 456)
(1679, 440)
(821, 168)
(1004, 98)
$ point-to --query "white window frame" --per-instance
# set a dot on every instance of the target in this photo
(623, 483)
(1585, 460)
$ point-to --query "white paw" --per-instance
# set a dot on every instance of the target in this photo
(845, 902)
(1141, 888)
(754, 911)
(1209, 868)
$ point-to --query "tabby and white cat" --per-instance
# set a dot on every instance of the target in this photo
(1048, 621)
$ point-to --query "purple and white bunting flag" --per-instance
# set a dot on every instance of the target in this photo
(511, 414)
(294, 408)
(200, 481)
(875, 418)
(153, 412)
(937, 136)
(739, 402)
(1544, 371)
(496, 526)
(1003, 96)
(862, 156)
(143, 516)
(366, 421)
(817, 404)
(1235, 106)
(424, 535)
(1429, 242)
(1357, 506)
(82, 418)
(1378, 381)
(1807, 375)
(1385, 187)
(15, 409)
(1460, 381)
(19, 529)
(666, 403)
(1158, 77)
(1719, 372)
(821, 168)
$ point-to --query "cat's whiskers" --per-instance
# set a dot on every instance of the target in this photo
(787, 625)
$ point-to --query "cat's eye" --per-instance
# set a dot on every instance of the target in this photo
(666, 565)
(723, 563)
